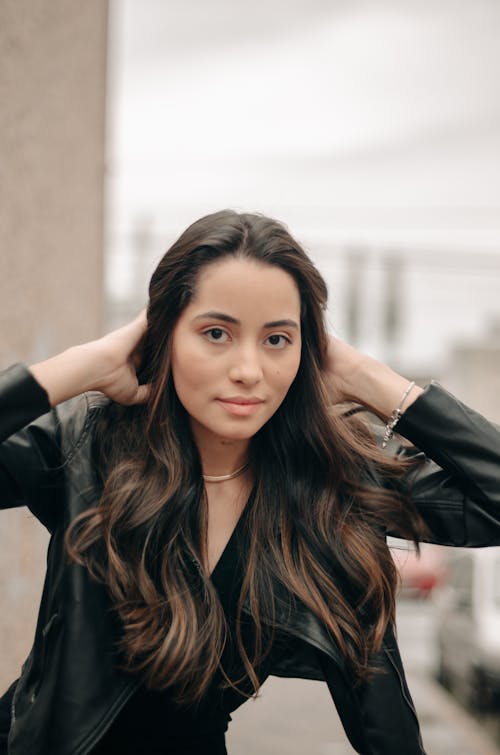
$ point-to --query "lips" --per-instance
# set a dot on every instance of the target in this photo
(240, 406)
(242, 400)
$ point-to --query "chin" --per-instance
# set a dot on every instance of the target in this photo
(237, 433)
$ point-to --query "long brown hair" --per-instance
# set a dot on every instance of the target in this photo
(318, 515)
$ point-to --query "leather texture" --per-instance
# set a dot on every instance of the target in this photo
(70, 690)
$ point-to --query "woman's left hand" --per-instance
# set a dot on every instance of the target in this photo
(343, 362)
(354, 376)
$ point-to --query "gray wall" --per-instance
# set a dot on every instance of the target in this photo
(473, 373)
(52, 133)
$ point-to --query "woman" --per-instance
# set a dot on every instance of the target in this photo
(215, 519)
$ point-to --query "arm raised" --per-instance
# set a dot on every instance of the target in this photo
(353, 376)
(107, 364)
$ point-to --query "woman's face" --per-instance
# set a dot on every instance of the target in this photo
(236, 348)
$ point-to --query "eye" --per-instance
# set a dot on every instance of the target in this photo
(216, 335)
(278, 341)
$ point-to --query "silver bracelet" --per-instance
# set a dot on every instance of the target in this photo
(396, 416)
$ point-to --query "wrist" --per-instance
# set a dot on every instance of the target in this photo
(69, 373)
(378, 387)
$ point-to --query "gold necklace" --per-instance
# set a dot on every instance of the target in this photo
(224, 477)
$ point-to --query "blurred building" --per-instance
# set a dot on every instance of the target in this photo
(52, 134)
(473, 372)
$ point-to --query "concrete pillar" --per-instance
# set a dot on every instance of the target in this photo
(52, 133)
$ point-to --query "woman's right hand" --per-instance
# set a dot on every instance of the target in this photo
(107, 364)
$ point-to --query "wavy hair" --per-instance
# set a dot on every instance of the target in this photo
(324, 495)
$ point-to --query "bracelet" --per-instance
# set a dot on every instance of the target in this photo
(396, 416)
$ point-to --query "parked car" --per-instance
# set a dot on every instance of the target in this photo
(467, 624)
(419, 574)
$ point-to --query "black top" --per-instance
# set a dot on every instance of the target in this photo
(152, 723)
(48, 466)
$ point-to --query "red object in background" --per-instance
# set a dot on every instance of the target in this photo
(419, 575)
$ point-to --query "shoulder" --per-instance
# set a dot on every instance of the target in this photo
(61, 431)
(75, 420)
(25, 411)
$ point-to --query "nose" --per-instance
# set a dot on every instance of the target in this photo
(246, 367)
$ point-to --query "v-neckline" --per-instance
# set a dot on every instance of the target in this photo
(229, 546)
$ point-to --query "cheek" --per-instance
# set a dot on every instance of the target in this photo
(285, 375)
(183, 374)
(192, 373)
(182, 379)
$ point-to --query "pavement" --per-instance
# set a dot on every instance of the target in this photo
(447, 729)
(297, 717)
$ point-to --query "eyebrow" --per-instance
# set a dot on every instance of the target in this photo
(228, 318)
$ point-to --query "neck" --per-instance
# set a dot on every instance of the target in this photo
(223, 465)
(226, 477)
(220, 456)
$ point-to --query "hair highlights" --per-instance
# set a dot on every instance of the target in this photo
(315, 528)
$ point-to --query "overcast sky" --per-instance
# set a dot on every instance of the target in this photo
(368, 125)
(339, 117)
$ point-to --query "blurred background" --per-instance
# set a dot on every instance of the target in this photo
(372, 130)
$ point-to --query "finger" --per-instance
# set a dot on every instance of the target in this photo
(142, 394)
(142, 317)
(136, 357)
(139, 324)
(137, 353)
(134, 332)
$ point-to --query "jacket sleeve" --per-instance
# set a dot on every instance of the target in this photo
(457, 487)
(30, 456)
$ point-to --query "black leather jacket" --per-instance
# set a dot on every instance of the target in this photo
(69, 690)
